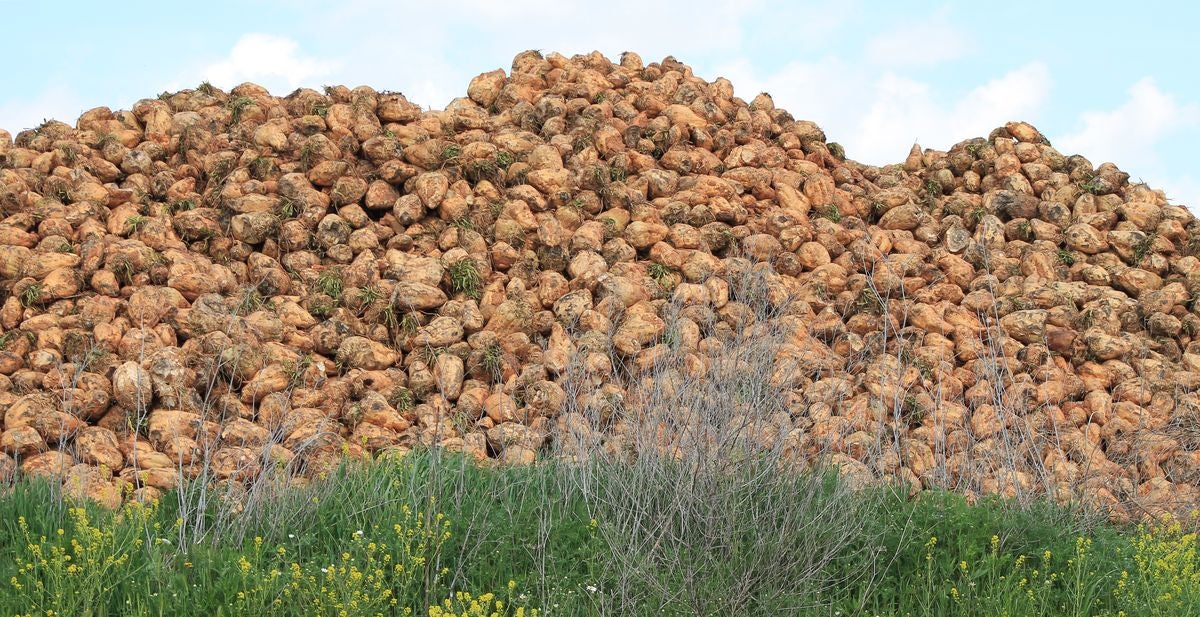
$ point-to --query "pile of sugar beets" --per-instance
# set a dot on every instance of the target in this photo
(219, 283)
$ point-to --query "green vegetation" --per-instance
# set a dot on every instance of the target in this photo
(483, 169)
(135, 223)
(287, 208)
(32, 295)
(70, 154)
(7, 337)
(180, 205)
(1093, 186)
(610, 227)
(976, 215)
(250, 300)
(307, 152)
(236, 106)
(493, 362)
(868, 301)
(663, 275)
(295, 370)
(105, 139)
(329, 282)
(401, 399)
(123, 269)
(429, 533)
(321, 306)
(77, 560)
(914, 412)
(465, 279)
(1025, 231)
(261, 167)
(1142, 248)
(369, 294)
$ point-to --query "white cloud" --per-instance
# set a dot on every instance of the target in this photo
(930, 41)
(445, 44)
(268, 60)
(1181, 190)
(905, 111)
(452, 41)
(822, 91)
(1128, 134)
(878, 117)
(1131, 134)
(57, 102)
(1018, 93)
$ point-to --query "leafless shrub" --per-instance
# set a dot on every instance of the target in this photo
(703, 497)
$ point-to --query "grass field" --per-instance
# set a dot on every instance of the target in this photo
(431, 534)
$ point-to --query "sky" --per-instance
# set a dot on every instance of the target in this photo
(1097, 78)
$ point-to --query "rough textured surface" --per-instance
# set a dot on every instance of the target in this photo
(292, 280)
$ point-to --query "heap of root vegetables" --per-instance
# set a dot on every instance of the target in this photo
(219, 283)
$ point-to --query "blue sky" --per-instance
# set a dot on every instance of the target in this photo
(1099, 78)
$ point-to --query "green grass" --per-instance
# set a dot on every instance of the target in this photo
(261, 167)
(180, 205)
(32, 295)
(493, 362)
(869, 301)
(7, 338)
(329, 282)
(482, 169)
(465, 278)
(401, 399)
(250, 300)
(135, 223)
(105, 139)
(537, 537)
(663, 275)
(930, 190)
(287, 208)
(306, 154)
(369, 294)
(322, 306)
(451, 153)
(236, 106)
(1092, 186)
(1142, 248)
(368, 536)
